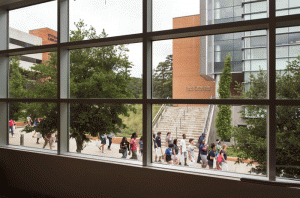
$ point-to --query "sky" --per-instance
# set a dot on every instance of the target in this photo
(117, 17)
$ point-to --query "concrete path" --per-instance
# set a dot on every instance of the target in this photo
(92, 149)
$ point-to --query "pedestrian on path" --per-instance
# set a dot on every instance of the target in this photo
(175, 152)
(125, 146)
(211, 156)
(191, 153)
(133, 146)
(183, 151)
(223, 152)
(48, 139)
(141, 145)
(11, 124)
(158, 149)
(169, 139)
(103, 138)
(168, 154)
(203, 153)
(201, 138)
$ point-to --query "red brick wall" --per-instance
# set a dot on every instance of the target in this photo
(186, 60)
(48, 37)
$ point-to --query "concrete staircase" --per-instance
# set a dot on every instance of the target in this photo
(192, 121)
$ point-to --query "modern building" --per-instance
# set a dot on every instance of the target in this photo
(42, 36)
(198, 61)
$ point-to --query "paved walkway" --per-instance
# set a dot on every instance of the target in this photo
(91, 149)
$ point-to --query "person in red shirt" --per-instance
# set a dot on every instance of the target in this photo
(11, 126)
(133, 146)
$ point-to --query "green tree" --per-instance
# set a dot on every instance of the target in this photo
(136, 85)
(223, 119)
(162, 79)
(17, 88)
(250, 141)
(100, 72)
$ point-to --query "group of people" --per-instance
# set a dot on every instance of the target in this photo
(216, 158)
(133, 147)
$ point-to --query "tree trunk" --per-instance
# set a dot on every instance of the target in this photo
(79, 143)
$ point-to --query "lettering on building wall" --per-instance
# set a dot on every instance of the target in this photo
(52, 38)
(200, 88)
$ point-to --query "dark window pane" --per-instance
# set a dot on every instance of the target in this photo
(238, 44)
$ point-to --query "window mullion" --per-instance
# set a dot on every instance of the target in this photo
(63, 77)
(4, 68)
(147, 83)
(271, 118)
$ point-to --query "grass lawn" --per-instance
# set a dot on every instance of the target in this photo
(231, 152)
(134, 121)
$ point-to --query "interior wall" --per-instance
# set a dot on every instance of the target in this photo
(61, 176)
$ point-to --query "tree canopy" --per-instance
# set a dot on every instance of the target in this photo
(250, 141)
(223, 119)
(99, 72)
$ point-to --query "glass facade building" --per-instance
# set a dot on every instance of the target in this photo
(249, 49)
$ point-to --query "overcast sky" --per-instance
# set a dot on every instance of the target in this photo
(117, 17)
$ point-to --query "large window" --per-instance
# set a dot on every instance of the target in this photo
(102, 82)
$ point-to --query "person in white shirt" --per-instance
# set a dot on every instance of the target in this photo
(191, 153)
(183, 150)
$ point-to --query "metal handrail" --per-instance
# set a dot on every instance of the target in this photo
(159, 114)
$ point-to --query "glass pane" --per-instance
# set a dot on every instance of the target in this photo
(287, 142)
(33, 76)
(33, 125)
(287, 7)
(294, 51)
(106, 72)
(260, 53)
(259, 6)
(98, 129)
(115, 17)
(282, 39)
(259, 41)
(282, 52)
(27, 29)
(178, 128)
(281, 4)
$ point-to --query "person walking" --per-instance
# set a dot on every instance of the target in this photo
(158, 149)
(175, 152)
(109, 137)
(191, 153)
(141, 145)
(133, 146)
(29, 121)
(203, 153)
(223, 152)
(211, 156)
(48, 139)
(183, 151)
(11, 124)
(125, 146)
(103, 138)
(218, 149)
(201, 138)
(169, 139)
(168, 154)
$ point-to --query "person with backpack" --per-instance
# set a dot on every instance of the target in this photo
(211, 156)
(168, 154)
(175, 152)
(203, 153)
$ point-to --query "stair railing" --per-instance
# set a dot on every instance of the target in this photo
(207, 123)
(159, 114)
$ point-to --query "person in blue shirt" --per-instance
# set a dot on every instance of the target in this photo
(203, 153)
(168, 154)
(141, 144)
(201, 138)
